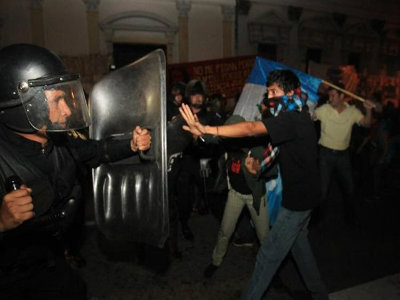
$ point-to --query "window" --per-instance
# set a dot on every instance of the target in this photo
(124, 53)
(267, 51)
(354, 60)
(314, 54)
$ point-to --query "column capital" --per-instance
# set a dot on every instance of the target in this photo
(91, 5)
(228, 12)
(170, 35)
(184, 7)
(36, 4)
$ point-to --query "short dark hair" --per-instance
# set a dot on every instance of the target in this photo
(338, 84)
(285, 79)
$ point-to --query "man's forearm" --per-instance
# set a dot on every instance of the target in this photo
(242, 129)
(367, 118)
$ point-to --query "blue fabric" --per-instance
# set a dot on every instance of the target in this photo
(262, 67)
(274, 197)
(290, 233)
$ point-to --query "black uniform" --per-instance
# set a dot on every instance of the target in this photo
(190, 178)
(32, 263)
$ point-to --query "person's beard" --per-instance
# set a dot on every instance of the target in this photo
(197, 105)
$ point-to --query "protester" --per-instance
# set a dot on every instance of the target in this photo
(293, 132)
(337, 120)
(244, 189)
(191, 190)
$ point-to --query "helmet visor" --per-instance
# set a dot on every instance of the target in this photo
(57, 106)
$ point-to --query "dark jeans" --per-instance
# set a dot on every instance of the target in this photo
(174, 213)
(289, 234)
(337, 163)
(189, 187)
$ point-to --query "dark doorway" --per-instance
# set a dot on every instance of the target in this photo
(267, 51)
(124, 53)
(392, 64)
(354, 60)
(313, 54)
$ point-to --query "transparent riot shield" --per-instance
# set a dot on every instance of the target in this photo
(131, 195)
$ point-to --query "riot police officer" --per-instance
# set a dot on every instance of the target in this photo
(40, 103)
(175, 99)
(190, 183)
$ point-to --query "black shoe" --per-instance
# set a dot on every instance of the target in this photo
(203, 211)
(76, 261)
(246, 241)
(173, 250)
(177, 255)
(210, 270)
(187, 233)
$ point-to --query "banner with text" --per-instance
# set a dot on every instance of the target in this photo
(225, 76)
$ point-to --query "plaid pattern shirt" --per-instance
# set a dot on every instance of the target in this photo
(270, 153)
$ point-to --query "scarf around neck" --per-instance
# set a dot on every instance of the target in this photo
(277, 105)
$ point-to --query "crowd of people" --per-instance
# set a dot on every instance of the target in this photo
(341, 140)
(351, 142)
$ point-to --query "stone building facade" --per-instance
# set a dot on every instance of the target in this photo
(295, 32)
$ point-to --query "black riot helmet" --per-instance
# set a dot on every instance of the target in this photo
(195, 87)
(37, 92)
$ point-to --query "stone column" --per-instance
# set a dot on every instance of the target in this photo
(183, 6)
(336, 54)
(1, 32)
(294, 59)
(37, 27)
(92, 17)
(170, 46)
(338, 41)
(376, 58)
(109, 37)
(228, 13)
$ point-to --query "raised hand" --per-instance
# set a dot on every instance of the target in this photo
(368, 104)
(193, 124)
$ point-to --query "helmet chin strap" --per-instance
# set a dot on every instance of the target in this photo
(24, 130)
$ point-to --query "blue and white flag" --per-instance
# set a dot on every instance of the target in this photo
(254, 89)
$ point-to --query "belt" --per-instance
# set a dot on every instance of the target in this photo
(333, 150)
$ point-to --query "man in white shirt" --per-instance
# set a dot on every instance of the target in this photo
(337, 119)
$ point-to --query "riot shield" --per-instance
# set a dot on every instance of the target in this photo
(130, 195)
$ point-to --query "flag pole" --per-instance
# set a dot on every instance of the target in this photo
(344, 91)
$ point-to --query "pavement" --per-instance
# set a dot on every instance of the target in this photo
(356, 261)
